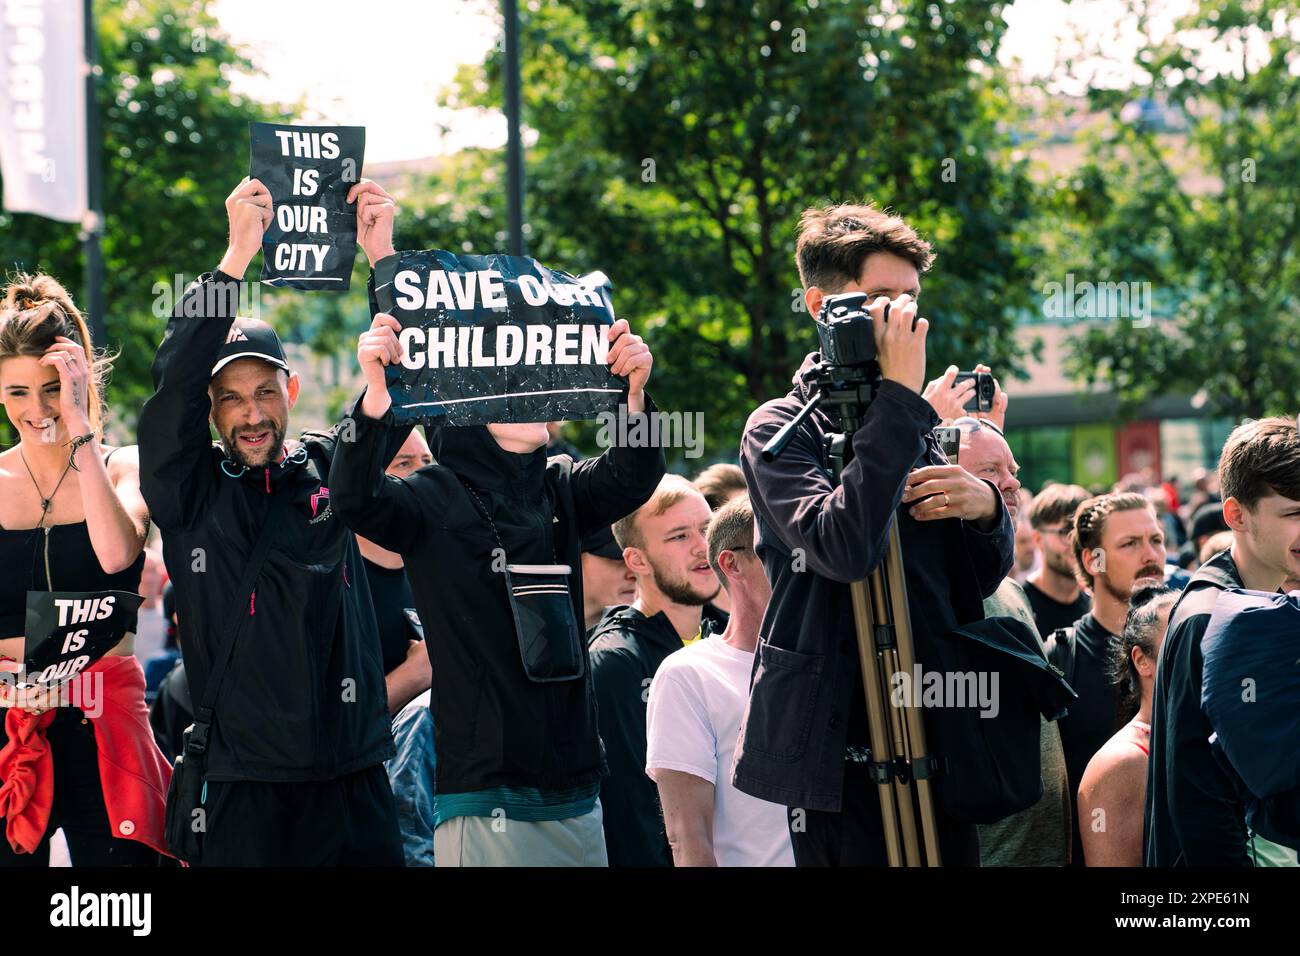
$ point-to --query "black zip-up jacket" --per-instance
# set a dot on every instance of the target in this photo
(493, 725)
(626, 650)
(806, 700)
(304, 697)
(1194, 814)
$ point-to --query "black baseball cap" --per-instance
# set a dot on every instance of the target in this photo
(602, 544)
(251, 338)
(1208, 520)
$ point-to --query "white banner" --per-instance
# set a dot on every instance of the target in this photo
(43, 108)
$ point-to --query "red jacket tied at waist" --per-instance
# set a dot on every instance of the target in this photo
(133, 772)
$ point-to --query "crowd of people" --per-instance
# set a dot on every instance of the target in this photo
(474, 646)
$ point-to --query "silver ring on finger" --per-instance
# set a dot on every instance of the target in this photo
(945, 499)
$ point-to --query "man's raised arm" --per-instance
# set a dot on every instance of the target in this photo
(174, 439)
(374, 504)
(621, 480)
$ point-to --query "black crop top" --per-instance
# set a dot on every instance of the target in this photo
(73, 567)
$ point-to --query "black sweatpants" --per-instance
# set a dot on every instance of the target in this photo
(349, 821)
(856, 836)
(78, 803)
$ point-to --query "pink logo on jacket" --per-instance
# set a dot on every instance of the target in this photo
(322, 495)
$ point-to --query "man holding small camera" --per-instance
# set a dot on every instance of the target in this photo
(805, 735)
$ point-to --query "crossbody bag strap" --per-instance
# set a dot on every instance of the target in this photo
(1060, 651)
(481, 507)
(235, 624)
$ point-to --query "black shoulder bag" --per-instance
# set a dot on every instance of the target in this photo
(183, 830)
(551, 648)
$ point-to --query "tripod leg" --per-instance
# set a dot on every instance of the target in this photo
(893, 717)
(864, 623)
(916, 745)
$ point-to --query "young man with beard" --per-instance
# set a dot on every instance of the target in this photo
(300, 729)
(1119, 546)
(696, 703)
(664, 544)
(1194, 816)
(1053, 590)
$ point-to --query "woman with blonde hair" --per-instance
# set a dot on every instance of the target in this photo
(71, 519)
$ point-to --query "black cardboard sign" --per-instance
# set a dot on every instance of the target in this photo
(496, 338)
(308, 170)
(67, 631)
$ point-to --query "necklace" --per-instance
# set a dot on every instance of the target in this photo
(46, 504)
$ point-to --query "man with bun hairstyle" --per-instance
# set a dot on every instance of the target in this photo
(1118, 547)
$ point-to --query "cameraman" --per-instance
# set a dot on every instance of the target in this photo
(805, 732)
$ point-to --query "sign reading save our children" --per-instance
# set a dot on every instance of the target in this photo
(496, 338)
(308, 170)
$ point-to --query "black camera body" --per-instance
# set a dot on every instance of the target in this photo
(844, 330)
(982, 400)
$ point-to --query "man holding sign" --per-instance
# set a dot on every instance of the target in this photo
(267, 581)
(491, 536)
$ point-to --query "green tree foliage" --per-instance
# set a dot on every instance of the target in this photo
(678, 142)
(175, 144)
(1209, 215)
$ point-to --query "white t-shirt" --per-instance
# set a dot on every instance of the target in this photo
(697, 700)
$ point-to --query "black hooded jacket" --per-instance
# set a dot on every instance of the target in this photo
(494, 726)
(1194, 811)
(304, 698)
(626, 650)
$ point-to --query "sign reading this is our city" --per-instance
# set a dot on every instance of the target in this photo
(496, 338)
(308, 170)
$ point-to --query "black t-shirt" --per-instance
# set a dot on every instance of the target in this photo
(391, 593)
(1092, 719)
(1050, 614)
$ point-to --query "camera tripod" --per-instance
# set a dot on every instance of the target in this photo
(900, 765)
